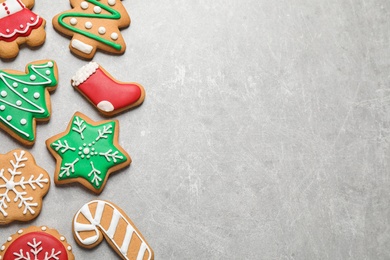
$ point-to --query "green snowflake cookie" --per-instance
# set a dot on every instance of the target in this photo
(87, 152)
(24, 98)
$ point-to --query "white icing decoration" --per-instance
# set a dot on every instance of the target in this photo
(33, 77)
(102, 30)
(88, 25)
(18, 103)
(23, 121)
(43, 228)
(37, 95)
(9, 239)
(36, 251)
(25, 90)
(73, 21)
(18, 186)
(21, 26)
(3, 93)
(2, 107)
(62, 238)
(69, 248)
(114, 36)
(105, 106)
(9, 118)
(81, 46)
(50, 64)
(84, 5)
(111, 2)
(48, 72)
(84, 73)
(2, 248)
(20, 231)
(122, 245)
(97, 9)
(15, 84)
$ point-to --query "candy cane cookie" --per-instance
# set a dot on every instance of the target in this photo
(97, 219)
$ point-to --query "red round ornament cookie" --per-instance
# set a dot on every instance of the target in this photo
(38, 243)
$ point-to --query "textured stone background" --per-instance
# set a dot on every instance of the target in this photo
(264, 135)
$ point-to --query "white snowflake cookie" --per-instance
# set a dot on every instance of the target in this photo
(23, 184)
(36, 243)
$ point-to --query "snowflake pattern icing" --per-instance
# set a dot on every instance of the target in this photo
(88, 151)
(15, 181)
(35, 251)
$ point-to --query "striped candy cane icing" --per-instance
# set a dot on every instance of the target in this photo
(97, 218)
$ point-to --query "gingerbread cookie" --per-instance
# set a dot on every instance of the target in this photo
(108, 95)
(36, 243)
(23, 184)
(97, 219)
(24, 98)
(94, 24)
(19, 25)
(87, 152)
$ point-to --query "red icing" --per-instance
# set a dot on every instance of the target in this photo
(99, 87)
(19, 24)
(24, 242)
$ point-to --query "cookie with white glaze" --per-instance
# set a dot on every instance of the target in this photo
(23, 184)
(100, 219)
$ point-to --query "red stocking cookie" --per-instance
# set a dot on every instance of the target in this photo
(19, 25)
(108, 95)
(98, 219)
(36, 243)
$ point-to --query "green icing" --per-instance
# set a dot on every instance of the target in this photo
(23, 98)
(88, 151)
(114, 15)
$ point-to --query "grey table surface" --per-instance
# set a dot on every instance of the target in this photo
(265, 132)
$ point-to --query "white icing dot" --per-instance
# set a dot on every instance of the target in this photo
(102, 30)
(15, 84)
(2, 107)
(9, 238)
(88, 25)
(36, 95)
(32, 19)
(114, 36)
(62, 238)
(21, 26)
(86, 150)
(23, 121)
(7, 30)
(43, 228)
(50, 64)
(20, 231)
(97, 9)
(48, 72)
(84, 5)
(69, 248)
(3, 93)
(33, 77)
(25, 90)
(19, 103)
(9, 118)
(111, 2)
(73, 21)
(2, 248)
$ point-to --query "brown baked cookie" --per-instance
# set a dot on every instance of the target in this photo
(107, 94)
(98, 218)
(19, 25)
(36, 243)
(87, 152)
(94, 24)
(23, 184)
(25, 99)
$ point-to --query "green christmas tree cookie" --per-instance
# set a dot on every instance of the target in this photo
(87, 152)
(24, 98)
